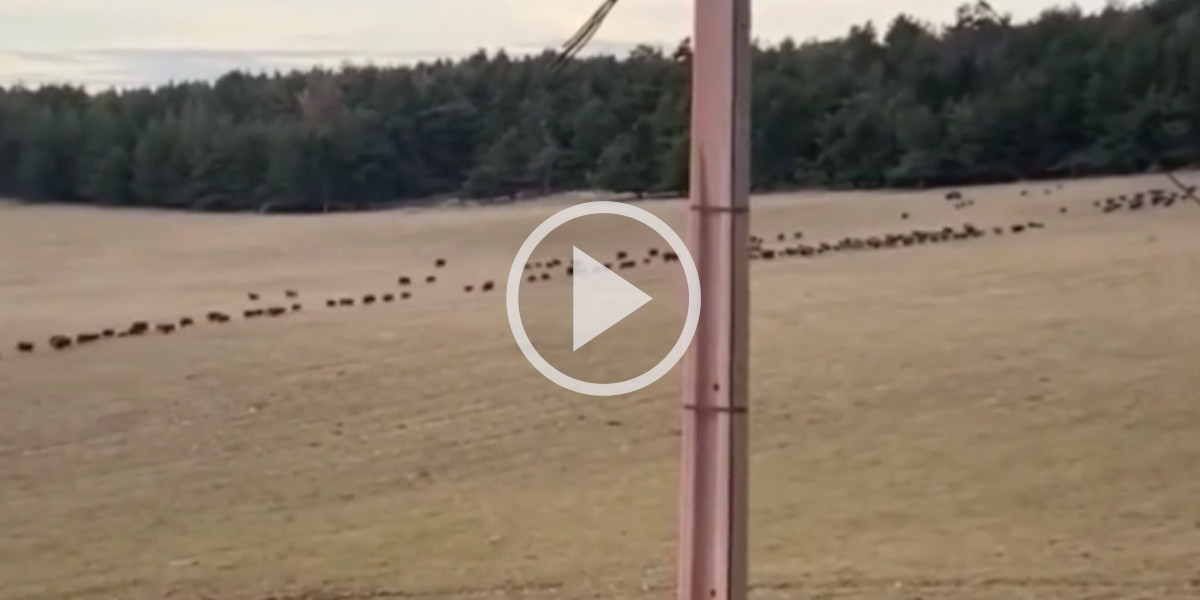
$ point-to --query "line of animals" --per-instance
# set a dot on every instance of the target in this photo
(542, 270)
(1150, 198)
(292, 305)
(884, 241)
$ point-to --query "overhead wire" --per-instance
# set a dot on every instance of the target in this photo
(579, 40)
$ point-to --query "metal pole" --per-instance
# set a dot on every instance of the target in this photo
(713, 491)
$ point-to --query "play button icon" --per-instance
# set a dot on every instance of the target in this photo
(600, 298)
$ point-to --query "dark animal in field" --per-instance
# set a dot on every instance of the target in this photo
(439, 263)
(291, 293)
(1062, 210)
(1018, 228)
(904, 216)
(108, 333)
(252, 296)
(60, 342)
(276, 311)
(532, 279)
(331, 303)
(468, 288)
(389, 297)
(346, 302)
(86, 338)
(490, 285)
(570, 271)
(652, 252)
(297, 308)
(217, 317)
(139, 327)
(405, 295)
(369, 299)
(165, 328)
(954, 195)
(25, 347)
(627, 264)
(430, 279)
(404, 281)
(545, 276)
(186, 322)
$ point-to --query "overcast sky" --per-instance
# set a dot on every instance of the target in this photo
(126, 42)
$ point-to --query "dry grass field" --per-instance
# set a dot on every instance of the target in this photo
(1011, 416)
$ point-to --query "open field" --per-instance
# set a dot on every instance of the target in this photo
(1012, 416)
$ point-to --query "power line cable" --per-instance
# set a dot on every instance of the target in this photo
(576, 43)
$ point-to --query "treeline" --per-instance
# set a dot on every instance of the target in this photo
(980, 99)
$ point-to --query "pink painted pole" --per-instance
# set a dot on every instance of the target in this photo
(713, 489)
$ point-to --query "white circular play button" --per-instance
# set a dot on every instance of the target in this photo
(601, 298)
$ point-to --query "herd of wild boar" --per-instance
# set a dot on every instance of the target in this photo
(783, 245)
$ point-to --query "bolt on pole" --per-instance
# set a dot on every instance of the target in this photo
(713, 536)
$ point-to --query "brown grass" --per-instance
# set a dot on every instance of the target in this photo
(1006, 417)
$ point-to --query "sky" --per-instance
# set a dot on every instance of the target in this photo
(104, 43)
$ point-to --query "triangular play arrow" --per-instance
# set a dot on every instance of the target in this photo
(599, 298)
